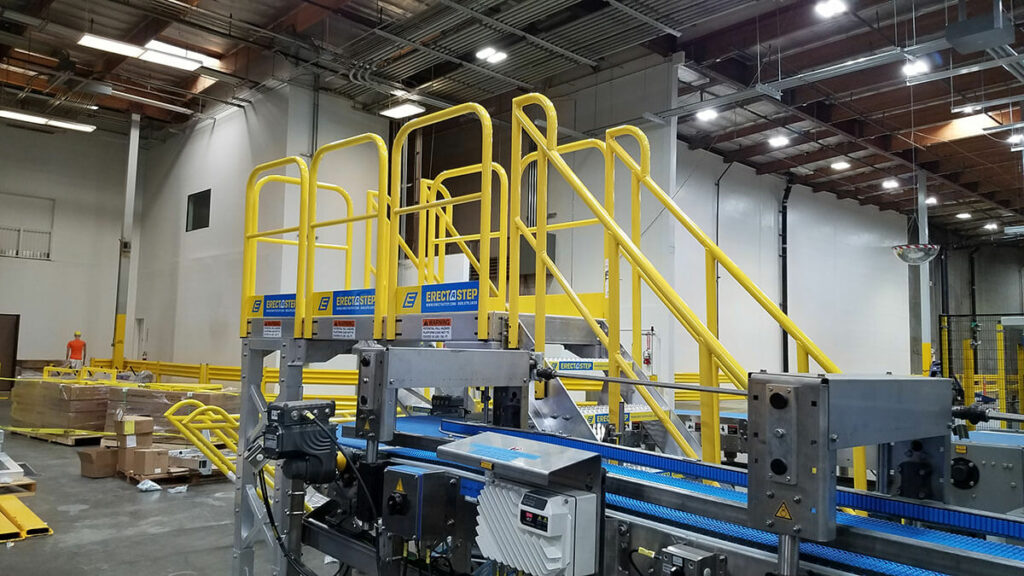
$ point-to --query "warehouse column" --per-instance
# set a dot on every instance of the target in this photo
(924, 274)
(124, 263)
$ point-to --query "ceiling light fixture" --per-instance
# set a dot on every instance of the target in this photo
(207, 61)
(890, 183)
(109, 45)
(45, 121)
(1015, 139)
(931, 201)
(841, 165)
(485, 53)
(778, 141)
(707, 115)
(987, 104)
(830, 8)
(496, 57)
(991, 226)
(916, 67)
(171, 60)
(403, 110)
(964, 216)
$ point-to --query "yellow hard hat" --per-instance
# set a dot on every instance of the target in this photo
(77, 333)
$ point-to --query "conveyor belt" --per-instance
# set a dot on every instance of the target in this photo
(750, 536)
(980, 522)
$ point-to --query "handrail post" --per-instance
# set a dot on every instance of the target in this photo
(515, 239)
(710, 436)
(612, 299)
(1001, 370)
(802, 363)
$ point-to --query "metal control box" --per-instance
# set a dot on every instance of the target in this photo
(987, 476)
(419, 503)
(683, 560)
(798, 422)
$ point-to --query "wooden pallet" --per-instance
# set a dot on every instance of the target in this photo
(23, 487)
(65, 439)
(173, 477)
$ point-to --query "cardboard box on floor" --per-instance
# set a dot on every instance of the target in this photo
(98, 462)
(142, 461)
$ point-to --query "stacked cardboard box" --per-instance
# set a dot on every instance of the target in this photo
(38, 404)
(154, 403)
(99, 462)
(134, 434)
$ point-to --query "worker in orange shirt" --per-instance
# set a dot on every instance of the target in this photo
(76, 351)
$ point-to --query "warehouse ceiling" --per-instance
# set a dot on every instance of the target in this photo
(823, 98)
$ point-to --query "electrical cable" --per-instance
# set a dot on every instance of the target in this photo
(295, 562)
(348, 456)
(632, 562)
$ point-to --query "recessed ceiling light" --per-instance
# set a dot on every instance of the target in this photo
(108, 45)
(707, 115)
(916, 67)
(830, 8)
(1015, 139)
(485, 53)
(403, 110)
(496, 57)
(890, 183)
(931, 201)
(778, 141)
(991, 226)
(964, 216)
(841, 165)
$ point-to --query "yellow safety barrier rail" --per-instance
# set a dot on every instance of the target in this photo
(372, 213)
(387, 295)
(83, 375)
(252, 237)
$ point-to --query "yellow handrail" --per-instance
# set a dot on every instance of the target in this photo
(389, 291)
(382, 225)
(251, 232)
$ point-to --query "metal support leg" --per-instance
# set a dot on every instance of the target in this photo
(248, 518)
(290, 495)
(789, 555)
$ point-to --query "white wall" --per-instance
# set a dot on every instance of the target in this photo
(84, 174)
(189, 283)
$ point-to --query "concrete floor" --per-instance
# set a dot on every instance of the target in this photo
(106, 526)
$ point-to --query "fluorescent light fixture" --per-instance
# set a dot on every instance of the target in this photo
(1015, 139)
(968, 109)
(916, 67)
(208, 61)
(44, 121)
(931, 201)
(399, 92)
(108, 45)
(403, 110)
(71, 125)
(830, 8)
(964, 216)
(988, 103)
(841, 165)
(778, 141)
(496, 57)
(150, 101)
(1014, 230)
(991, 226)
(485, 53)
(890, 183)
(22, 117)
(171, 60)
(707, 115)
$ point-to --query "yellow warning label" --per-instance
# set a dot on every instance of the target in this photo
(783, 512)
(961, 449)
(367, 425)
(487, 465)
(399, 487)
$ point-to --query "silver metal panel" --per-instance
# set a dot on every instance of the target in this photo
(452, 369)
(462, 327)
(874, 409)
(272, 328)
(1000, 473)
(529, 461)
(352, 328)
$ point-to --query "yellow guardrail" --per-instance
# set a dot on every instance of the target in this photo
(372, 213)
(83, 375)
(426, 209)
(253, 188)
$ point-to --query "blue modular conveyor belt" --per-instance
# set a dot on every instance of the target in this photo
(433, 427)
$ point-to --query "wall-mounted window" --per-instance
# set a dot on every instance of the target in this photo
(26, 223)
(198, 215)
